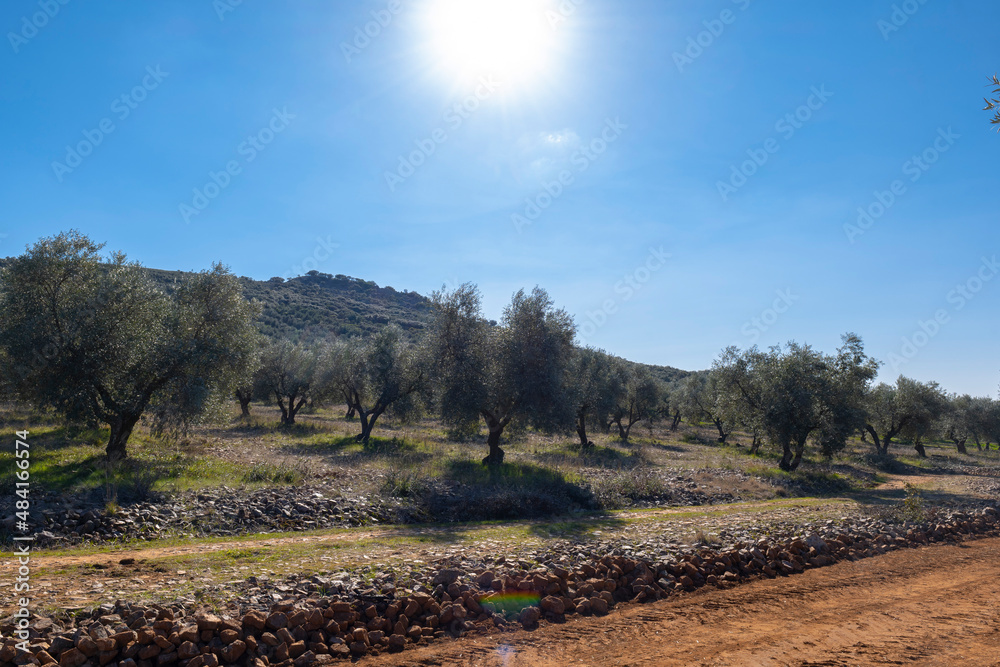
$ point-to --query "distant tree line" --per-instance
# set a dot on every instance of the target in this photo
(94, 339)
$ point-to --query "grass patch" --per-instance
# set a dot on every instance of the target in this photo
(625, 488)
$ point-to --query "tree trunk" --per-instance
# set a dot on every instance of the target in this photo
(121, 429)
(495, 457)
(677, 420)
(755, 444)
(581, 429)
(960, 444)
(622, 431)
(921, 452)
(244, 398)
(722, 433)
(351, 412)
(368, 420)
(288, 413)
(876, 441)
(799, 449)
(786, 456)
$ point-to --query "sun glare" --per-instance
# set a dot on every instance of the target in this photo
(510, 39)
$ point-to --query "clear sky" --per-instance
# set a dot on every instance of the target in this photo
(681, 176)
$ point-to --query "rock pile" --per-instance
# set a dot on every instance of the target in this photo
(321, 628)
(222, 511)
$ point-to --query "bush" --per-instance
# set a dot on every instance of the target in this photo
(469, 491)
(129, 481)
(623, 488)
(281, 472)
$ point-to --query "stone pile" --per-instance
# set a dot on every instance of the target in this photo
(214, 512)
(322, 628)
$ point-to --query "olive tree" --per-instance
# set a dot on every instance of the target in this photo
(994, 103)
(596, 379)
(380, 373)
(957, 423)
(908, 409)
(740, 391)
(796, 393)
(94, 339)
(637, 399)
(984, 420)
(498, 373)
(699, 399)
(289, 377)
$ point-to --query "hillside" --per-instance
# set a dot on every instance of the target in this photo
(311, 307)
(314, 306)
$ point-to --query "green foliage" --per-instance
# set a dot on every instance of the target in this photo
(289, 376)
(910, 409)
(636, 396)
(514, 371)
(626, 487)
(382, 373)
(796, 393)
(311, 308)
(994, 104)
(99, 343)
(280, 472)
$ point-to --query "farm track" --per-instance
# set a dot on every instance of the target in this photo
(937, 605)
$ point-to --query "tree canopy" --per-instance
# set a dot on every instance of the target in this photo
(95, 340)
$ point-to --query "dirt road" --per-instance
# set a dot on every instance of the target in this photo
(938, 605)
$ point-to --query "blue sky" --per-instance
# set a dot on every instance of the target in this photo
(688, 175)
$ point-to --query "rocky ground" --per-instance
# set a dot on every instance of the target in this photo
(82, 518)
(304, 620)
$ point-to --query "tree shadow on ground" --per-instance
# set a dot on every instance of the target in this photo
(469, 491)
(576, 529)
(347, 449)
(596, 456)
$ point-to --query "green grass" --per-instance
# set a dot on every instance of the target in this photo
(72, 460)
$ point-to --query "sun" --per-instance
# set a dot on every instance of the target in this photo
(509, 39)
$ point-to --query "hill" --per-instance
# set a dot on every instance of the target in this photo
(316, 305)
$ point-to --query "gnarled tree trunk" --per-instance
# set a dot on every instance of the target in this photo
(121, 428)
(496, 426)
(677, 420)
(786, 456)
(722, 432)
(289, 411)
(244, 398)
